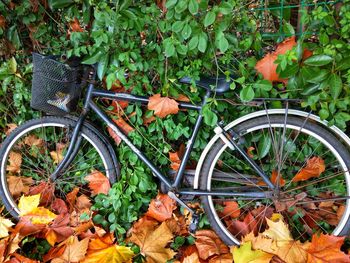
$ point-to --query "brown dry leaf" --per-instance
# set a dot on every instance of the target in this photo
(123, 125)
(59, 206)
(83, 202)
(175, 160)
(161, 208)
(162, 106)
(2, 22)
(326, 248)
(32, 140)
(314, 167)
(46, 191)
(25, 227)
(22, 259)
(149, 120)
(152, 243)
(59, 230)
(224, 258)
(15, 160)
(274, 176)
(231, 209)
(242, 228)
(208, 244)
(9, 128)
(5, 226)
(98, 183)
(193, 258)
(19, 185)
(75, 26)
(75, 250)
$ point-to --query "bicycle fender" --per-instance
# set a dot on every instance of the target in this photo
(335, 130)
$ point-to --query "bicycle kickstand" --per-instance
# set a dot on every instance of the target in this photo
(195, 217)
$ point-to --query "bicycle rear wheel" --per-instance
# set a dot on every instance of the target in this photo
(30, 154)
(309, 165)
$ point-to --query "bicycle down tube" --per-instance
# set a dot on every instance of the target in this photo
(171, 184)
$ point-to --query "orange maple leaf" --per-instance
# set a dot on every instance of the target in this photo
(274, 176)
(267, 67)
(209, 244)
(231, 209)
(162, 106)
(161, 208)
(326, 248)
(123, 125)
(314, 167)
(286, 45)
(98, 183)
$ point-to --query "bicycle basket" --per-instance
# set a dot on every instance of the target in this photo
(55, 86)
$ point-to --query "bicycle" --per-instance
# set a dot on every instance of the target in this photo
(245, 174)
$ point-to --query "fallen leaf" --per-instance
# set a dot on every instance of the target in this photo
(75, 250)
(152, 243)
(274, 176)
(59, 230)
(314, 167)
(98, 183)
(242, 228)
(5, 226)
(208, 244)
(32, 140)
(23, 259)
(75, 26)
(245, 254)
(162, 106)
(25, 227)
(326, 248)
(46, 191)
(28, 203)
(2, 22)
(15, 160)
(161, 208)
(250, 151)
(123, 125)
(175, 160)
(224, 258)
(41, 215)
(83, 202)
(9, 128)
(59, 206)
(103, 250)
(193, 258)
(19, 185)
(231, 209)
(149, 120)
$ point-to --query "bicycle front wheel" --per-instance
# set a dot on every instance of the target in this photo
(308, 165)
(31, 153)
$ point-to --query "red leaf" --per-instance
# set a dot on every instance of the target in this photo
(123, 125)
(267, 67)
(286, 45)
(59, 206)
(208, 244)
(161, 208)
(307, 53)
(25, 227)
(46, 191)
(98, 183)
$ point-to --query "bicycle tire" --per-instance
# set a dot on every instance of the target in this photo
(208, 178)
(47, 127)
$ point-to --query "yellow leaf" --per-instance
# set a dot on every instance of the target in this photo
(152, 243)
(111, 254)
(193, 258)
(75, 250)
(5, 225)
(245, 254)
(277, 231)
(56, 156)
(28, 203)
(41, 215)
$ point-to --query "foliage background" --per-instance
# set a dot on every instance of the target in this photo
(157, 42)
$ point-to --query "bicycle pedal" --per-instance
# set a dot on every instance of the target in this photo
(192, 228)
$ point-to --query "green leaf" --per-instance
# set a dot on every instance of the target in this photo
(319, 77)
(92, 59)
(193, 7)
(210, 117)
(169, 48)
(209, 18)
(310, 89)
(324, 114)
(223, 44)
(202, 42)
(289, 71)
(181, 6)
(102, 66)
(336, 85)
(247, 93)
(318, 60)
(263, 85)
(170, 3)
(12, 65)
(12, 35)
(186, 31)
(193, 43)
(177, 26)
(264, 146)
(110, 79)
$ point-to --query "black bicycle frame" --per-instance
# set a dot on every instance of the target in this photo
(172, 185)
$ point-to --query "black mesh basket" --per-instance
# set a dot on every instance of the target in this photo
(55, 86)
